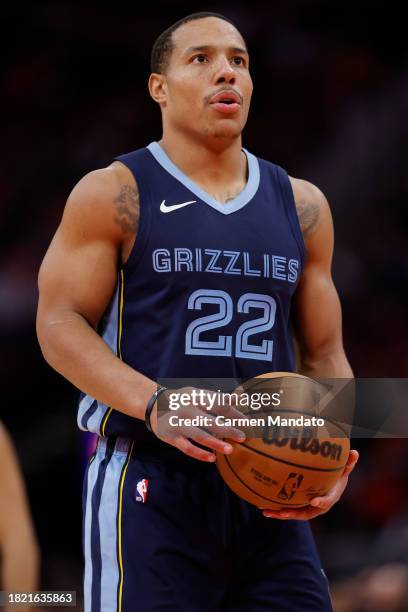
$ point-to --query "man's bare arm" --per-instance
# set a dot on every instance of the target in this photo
(317, 320)
(317, 311)
(76, 282)
(18, 544)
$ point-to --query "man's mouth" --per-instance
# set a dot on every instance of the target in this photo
(226, 101)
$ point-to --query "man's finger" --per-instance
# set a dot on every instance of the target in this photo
(226, 432)
(351, 462)
(186, 447)
(322, 503)
(352, 458)
(210, 429)
(299, 514)
(227, 411)
(208, 440)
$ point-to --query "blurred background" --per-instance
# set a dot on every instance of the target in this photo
(330, 104)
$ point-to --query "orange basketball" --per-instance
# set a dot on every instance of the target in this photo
(285, 465)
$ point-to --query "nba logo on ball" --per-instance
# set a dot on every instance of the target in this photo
(141, 490)
(290, 486)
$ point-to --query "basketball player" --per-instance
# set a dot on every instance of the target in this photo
(188, 256)
(19, 554)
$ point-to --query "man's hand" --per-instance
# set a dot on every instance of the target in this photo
(209, 435)
(318, 505)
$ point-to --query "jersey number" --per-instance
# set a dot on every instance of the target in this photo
(223, 346)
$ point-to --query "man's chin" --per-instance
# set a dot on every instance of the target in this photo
(226, 131)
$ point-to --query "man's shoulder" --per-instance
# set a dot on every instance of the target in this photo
(103, 204)
(311, 204)
(305, 190)
(302, 189)
(100, 184)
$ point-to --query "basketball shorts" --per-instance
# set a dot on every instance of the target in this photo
(165, 534)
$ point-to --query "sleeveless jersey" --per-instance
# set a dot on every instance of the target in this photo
(207, 288)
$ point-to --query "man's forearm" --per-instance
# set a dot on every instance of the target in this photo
(73, 348)
(330, 365)
(342, 392)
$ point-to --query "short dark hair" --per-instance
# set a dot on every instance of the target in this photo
(163, 45)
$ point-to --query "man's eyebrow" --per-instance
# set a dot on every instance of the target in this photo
(212, 47)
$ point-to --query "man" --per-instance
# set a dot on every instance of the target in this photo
(186, 256)
(19, 553)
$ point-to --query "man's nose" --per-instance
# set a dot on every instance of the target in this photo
(225, 73)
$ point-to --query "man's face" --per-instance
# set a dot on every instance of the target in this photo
(207, 87)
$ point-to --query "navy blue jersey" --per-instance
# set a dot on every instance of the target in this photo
(207, 289)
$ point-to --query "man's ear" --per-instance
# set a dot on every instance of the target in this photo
(157, 88)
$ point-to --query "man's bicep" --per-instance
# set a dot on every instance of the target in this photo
(317, 314)
(80, 279)
(79, 270)
(317, 305)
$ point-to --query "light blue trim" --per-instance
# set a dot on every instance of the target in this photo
(95, 421)
(226, 208)
(110, 332)
(84, 404)
(92, 477)
(110, 336)
(108, 531)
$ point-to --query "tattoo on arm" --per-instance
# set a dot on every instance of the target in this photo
(127, 209)
(308, 213)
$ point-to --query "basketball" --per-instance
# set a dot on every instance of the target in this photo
(291, 455)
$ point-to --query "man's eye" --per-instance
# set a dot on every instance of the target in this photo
(199, 59)
(239, 61)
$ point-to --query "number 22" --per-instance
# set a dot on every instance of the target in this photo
(223, 346)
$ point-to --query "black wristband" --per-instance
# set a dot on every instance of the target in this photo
(150, 406)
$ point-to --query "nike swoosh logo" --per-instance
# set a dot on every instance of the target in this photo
(166, 209)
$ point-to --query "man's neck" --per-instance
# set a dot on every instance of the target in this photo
(221, 172)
